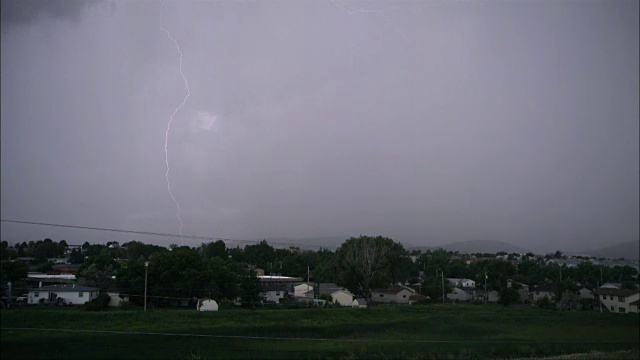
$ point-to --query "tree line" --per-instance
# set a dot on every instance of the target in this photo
(359, 264)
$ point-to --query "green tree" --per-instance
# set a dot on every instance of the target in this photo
(14, 271)
(249, 288)
(508, 296)
(214, 249)
(96, 276)
(569, 301)
(367, 262)
(261, 255)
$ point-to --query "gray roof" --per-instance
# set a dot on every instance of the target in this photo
(66, 288)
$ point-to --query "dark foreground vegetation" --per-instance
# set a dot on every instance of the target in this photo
(383, 332)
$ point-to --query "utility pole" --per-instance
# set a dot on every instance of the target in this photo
(442, 273)
(146, 267)
(308, 278)
(560, 274)
(486, 295)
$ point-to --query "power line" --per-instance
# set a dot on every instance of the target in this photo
(151, 233)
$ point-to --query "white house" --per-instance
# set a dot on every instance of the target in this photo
(342, 297)
(359, 303)
(273, 293)
(301, 290)
(395, 294)
(70, 294)
(339, 295)
(619, 300)
(586, 293)
(542, 291)
(462, 282)
(458, 294)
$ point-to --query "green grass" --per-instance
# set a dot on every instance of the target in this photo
(386, 332)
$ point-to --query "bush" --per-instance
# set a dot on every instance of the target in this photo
(544, 303)
(98, 304)
(569, 301)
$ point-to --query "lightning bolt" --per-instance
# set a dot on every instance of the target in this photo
(166, 139)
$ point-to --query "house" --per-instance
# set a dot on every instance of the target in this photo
(541, 291)
(273, 293)
(464, 293)
(70, 294)
(523, 293)
(586, 292)
(619, 300)
(458, 294)
(462, 282)
(339, 295)
(395, 294)
(301, 290)
(493, 296)
(359, 303)
(611, 286)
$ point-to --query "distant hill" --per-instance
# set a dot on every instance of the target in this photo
(628, 250)
(477, 246)
(313, 243)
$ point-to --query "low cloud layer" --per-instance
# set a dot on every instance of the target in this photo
(429, 122)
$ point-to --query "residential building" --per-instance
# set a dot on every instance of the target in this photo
(541, 291)
(301, 290)
(69, 294)
(462, 282)
(339, 295)
(273, 292)
(586, 292)
(461, 294)
(619, 300)
(395, 294)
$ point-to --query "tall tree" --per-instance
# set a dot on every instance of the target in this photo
(367, 262)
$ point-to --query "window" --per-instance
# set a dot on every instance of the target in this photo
(277, 293)
(80, 294)
(381, 295)
(620, 298)
(36, 294)
(404, 296)
(621, 310)
(613, 308)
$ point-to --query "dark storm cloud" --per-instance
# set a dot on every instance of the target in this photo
(25, 12)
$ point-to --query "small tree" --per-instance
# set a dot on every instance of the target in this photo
(544, 303)
(508, 296)
(569, 301)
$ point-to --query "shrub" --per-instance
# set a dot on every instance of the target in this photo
(569, 301)
(98, 304)
(544, 303)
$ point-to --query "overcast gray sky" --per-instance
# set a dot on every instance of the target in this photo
(428, 121)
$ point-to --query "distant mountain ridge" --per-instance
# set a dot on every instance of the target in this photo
(629, 250)
(477, 246)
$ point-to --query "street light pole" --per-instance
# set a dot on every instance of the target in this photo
(146, 267)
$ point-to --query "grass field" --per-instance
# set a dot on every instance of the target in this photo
(384, 332)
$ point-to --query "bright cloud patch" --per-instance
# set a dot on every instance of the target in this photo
(203, 120)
